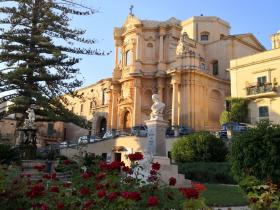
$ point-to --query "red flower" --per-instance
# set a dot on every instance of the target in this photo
(99, 186)
(54, 189)
(125, 195)
(189, 193)
(84, 191)
(39, 167)
(36, 190)
(112, 196)
(136, 156)
(88, 203)
(115, 165)
(86, 175)
(126, 169)
(44, 206)
(53, 176)
(152, 201)
(198, 186)
(46, 176)
(60, 205)
(156, 166)
(101, 193)
(66, 184)
(172, 181)
(100, 176)
(135, 196)
(66, 162)
(153, 172)
(103, 165)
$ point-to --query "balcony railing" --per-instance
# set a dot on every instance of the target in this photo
(260, 88)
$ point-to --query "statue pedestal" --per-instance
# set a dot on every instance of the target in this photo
(156, 137)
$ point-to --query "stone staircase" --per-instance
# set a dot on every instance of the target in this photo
(168, 170)
(27, 167)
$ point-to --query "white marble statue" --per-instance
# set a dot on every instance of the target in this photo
(31, 118)
(157, 108)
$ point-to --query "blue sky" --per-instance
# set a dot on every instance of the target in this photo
(262, 18)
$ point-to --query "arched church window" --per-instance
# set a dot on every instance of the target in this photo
(128, 58)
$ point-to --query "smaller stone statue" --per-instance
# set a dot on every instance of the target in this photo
(157, 108)
(31, 118)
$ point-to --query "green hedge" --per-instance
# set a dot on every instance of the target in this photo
(200, 146)
(207, 172)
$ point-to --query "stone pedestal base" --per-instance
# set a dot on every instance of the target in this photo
(168, 170)
(156, 137)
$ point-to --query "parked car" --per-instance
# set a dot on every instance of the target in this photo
(234, 126)
(88, 139)
(139, 130)
(182, 130)
(111, 134)
(63, 144)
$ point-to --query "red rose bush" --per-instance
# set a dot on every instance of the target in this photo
(100, 185)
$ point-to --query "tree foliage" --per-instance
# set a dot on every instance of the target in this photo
(238, 111)
(256, 153)
(38, 54)
(201, 146)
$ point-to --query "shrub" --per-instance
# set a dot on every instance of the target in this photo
(261, 196)
(201, 146)
(210, 172)
(256, 153)
(7, 154)
(238, 111)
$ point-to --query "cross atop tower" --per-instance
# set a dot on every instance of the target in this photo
(131, 10)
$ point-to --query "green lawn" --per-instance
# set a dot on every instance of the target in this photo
(224, 195)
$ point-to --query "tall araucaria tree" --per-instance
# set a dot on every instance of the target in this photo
(38, 54)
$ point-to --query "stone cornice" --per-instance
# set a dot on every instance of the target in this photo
(238, 67)
(174, 71)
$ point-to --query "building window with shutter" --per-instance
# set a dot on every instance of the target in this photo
(263, 112)
(215, 66)
(204, 36)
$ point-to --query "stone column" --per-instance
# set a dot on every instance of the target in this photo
(175, 103)
(160, 87)
(161, 64)
(117, 56)
(114, 113)
(138, 51)
(138, 47)
(137, 102)
(161, 48)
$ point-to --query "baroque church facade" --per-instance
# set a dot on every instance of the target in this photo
(185, 62)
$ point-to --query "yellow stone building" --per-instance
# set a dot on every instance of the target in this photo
(185, 62)
(256, 78)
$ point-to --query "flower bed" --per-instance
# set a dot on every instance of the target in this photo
(100, 186)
